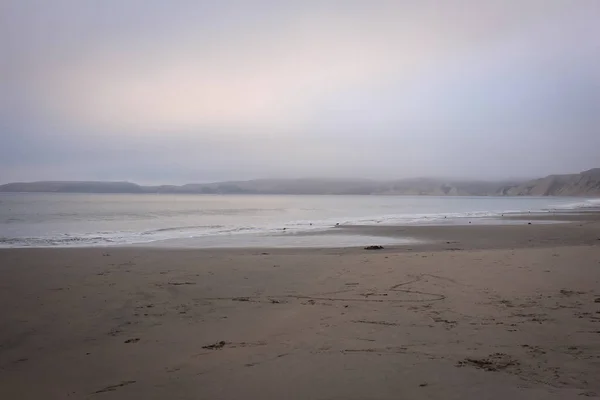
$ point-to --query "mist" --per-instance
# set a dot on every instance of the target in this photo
(191, 91)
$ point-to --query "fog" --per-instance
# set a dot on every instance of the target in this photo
(191, 91)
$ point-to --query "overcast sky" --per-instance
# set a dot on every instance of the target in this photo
(194, 91)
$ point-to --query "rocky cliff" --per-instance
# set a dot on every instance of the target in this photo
(586, 183)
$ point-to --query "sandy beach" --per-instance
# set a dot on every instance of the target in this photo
(300, 200)
(475, 312)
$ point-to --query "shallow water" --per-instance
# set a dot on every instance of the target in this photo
(46, 219)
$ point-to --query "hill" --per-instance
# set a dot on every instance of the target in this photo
(72, 187)
(586, 183)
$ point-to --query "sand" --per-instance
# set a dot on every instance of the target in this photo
(479, 312)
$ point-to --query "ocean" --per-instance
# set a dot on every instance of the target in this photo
(65, 220)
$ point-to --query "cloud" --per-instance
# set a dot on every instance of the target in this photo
(248, 89)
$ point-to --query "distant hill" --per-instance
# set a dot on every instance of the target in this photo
(72, 187)
(586, 183)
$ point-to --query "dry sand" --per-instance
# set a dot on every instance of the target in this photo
(498, 312)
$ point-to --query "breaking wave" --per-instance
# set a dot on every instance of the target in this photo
(580, 205)
(75, 221)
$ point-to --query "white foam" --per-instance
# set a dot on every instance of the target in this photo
(583, 204)
(431, 218)
(230, 231)
(87, 239)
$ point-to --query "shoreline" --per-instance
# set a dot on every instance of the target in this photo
(495, 312)
(431, 238)
(357, 236)
(86, 228)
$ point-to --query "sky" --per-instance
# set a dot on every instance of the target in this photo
(197, 91)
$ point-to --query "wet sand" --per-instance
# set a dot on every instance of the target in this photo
(476, 312)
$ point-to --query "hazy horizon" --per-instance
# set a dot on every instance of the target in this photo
(447, 179)
(316, 178)
(157, 92)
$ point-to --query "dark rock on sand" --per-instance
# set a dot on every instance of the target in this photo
(215, 346)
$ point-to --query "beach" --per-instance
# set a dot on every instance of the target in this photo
(470, 312)
(300, 200)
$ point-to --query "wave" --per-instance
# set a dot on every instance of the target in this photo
(54, 241)
(182, 228)
(105, 238)
(429, 218)
(579, 205)
(129, 237)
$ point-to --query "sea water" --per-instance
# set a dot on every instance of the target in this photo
(48, 219)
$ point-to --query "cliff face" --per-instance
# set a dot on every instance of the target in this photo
(586, 183)
(437, 187)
